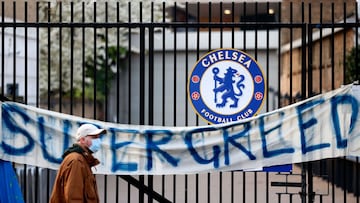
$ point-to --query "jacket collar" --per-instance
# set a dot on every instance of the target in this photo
(90, 159)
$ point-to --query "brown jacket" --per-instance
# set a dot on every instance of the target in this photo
(75, 181)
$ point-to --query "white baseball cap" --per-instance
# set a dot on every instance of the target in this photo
(88, 129)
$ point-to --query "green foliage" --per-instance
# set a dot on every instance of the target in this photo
(101, 73)
(352, 67)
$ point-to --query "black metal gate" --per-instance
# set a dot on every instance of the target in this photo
(129, 63)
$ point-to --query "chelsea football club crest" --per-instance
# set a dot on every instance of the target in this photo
(226, 85)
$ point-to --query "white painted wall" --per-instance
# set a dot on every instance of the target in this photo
(19, 56)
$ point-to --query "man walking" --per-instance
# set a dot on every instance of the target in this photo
(75, 181)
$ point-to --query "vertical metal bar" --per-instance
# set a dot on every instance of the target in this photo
(95, 57)
(163, 80)
(303, 94)
(83, 62)
(255, 186)
(233, 21)
(244, 173)
(37, 55)
(208, 187)
(221, 21)
(256, 32)
(142, 70)
(186, 60)
(129, 192)
(356, 178)
(151, 92)
(14, 53)
(303, 55)
(267, 103)
(163, 185)
(279, 58)
(48, 56)
(60, 59)
(209, 45)
(197, 117)
(256, 35)
(142, 92)
(291, 53)
(332, 45)
(174, 188)
(303, 181)
(333, 180)
(346, 187)
(36, 195)
(344, 45)
(129, 86)
(245, 37)
(221, 45)
(129, 59)
(267, 65)
(256, 57)
(186, 188)
(220, 186)
(320, 51)
(104, 106)
(71, 58)
(232, 186)
(197, 187)
(310, 52)
(117, 87)
(311, 193)
(244, 188)
(357, 167)
(210, 20)
(232, 46)
(49, 85)
(197, 47)
(26, 54)
(106, 62)
(174, 64)
(357, 40)
(117, 70)
(186, 83)
(3, 50)
(174, 89)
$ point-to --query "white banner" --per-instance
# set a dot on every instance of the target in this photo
(324, 126)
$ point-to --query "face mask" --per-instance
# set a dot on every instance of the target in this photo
(96, 144)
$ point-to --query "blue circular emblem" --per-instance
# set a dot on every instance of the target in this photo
(226, 85)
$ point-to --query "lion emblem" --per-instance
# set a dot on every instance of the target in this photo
(226, 85)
